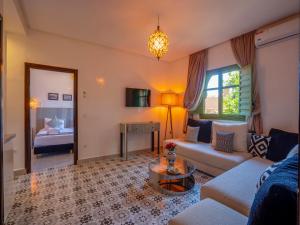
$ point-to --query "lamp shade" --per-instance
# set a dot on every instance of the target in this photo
(169, 99)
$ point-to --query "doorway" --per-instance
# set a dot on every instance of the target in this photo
(51, 110)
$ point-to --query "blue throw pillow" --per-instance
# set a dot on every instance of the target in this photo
(205, 129)
(280, 145)
(276, 200)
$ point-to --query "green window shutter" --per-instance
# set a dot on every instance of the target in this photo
(246, 90)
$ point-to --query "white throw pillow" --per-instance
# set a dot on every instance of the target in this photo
(46, 121)
(54, 123)
(60, 124)
(240, 131)
(192, 134)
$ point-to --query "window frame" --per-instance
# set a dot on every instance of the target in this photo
(220, 88)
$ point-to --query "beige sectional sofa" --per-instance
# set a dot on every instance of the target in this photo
(226, 199)
(206, 158)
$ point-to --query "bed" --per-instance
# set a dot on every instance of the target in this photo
(46, 142)
(55, 130)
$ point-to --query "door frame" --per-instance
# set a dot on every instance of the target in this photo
(1, 125)
(27, 131)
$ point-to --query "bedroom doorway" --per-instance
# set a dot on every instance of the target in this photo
(50, 117)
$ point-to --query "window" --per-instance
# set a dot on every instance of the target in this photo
(221, 98)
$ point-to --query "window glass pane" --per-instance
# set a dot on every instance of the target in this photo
(213, 82)
(231, 100)
(211, 102)
(231, 78)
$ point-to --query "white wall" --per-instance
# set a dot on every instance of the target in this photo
(103, 108)
(277, 69)
(43, 82)
(220, 55)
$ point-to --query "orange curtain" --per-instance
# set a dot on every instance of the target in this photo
(243, 48)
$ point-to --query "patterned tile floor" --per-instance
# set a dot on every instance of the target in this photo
(106, 192)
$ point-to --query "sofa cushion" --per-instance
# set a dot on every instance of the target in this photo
(276, 200)
(205, 129)
(240, 131)
(259, 145)
(192, 134)
(236, 188)
(208, 212)
(204, 153)
(281, 143)
(224, 141)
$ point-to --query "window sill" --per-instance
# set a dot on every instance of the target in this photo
(227, 118)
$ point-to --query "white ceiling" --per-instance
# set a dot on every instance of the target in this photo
(191, 25)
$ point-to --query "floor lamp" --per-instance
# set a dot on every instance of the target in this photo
(170, 100)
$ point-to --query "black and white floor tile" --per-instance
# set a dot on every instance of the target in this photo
(110, 191)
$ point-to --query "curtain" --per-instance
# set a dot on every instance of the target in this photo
(243, 48)
(195, 82)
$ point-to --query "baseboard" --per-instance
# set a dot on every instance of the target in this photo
(80, 161)
(19, 172)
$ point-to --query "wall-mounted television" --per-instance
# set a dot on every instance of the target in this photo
(138, 97)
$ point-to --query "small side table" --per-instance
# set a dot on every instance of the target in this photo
(138, 127)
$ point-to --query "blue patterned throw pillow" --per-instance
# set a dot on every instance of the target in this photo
(224, 141)
(265, 175)
(259, 145)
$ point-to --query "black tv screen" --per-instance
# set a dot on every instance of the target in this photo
(138, 97)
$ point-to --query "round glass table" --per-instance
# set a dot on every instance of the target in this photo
(174, 184)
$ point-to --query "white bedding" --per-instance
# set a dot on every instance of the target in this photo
(48, 137)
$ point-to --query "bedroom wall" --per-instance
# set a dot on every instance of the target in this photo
(277, 67)
(43, 82)
(102, 108)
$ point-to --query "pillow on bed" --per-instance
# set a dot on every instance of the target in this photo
(54, 123)
(46, 121)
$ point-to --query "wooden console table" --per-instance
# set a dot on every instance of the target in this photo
(138, 127)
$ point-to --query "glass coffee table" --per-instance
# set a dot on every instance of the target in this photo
(173, 184)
